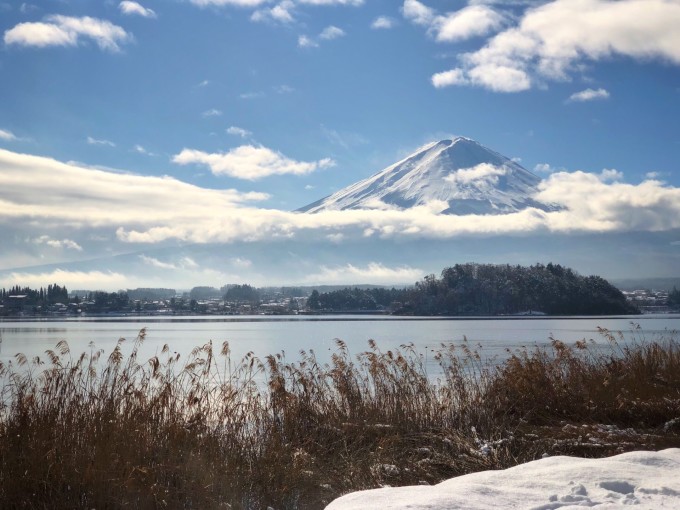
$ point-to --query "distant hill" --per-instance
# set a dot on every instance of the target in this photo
(647, 283)
(148, 294)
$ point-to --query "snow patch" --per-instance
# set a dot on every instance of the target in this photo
(649, 480)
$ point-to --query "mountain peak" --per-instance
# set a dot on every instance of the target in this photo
(470, 178)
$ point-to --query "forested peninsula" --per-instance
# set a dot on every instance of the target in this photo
(487, 289)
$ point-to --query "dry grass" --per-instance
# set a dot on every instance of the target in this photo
(636, 384)
(90, 432)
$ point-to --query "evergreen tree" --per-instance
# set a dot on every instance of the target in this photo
(313, 301)
(674, 298)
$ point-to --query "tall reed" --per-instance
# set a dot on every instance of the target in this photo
(97, 431)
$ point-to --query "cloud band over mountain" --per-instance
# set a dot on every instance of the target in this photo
(71, 201)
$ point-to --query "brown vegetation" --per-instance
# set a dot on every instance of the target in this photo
(101, 433)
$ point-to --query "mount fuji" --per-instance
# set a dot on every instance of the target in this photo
(463, 175)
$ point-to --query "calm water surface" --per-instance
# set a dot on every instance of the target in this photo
(269, 335)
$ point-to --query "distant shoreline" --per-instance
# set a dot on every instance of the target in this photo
(330, 317)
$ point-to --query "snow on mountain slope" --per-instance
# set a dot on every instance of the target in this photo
(461, 174)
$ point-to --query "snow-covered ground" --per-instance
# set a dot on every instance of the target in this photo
(649, 480)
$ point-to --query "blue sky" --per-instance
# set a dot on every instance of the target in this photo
(251, 107)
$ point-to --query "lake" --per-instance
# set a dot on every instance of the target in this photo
(290, 334)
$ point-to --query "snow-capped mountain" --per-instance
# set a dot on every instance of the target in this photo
(469, 177)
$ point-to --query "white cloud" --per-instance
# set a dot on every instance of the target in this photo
(52, 193)
(40, 35)
(221, 3)
(611, 206)
(189, 263)
(140, 149)
(57, 243)
(544, 168)
(418, 13)
(553, 40)
(383, 23)
(493, 77)
(589, 95)
(452, 77)
(331, 32)
(499, 78)
(184, 263)
(471, 21)
(306, 42)
(250, 162)
(7, 135)
(27, 8)
(374, 272)
(241, 262)
(327, 34)
(95, 141)
(58, 30)
(157, 263)
(284, 89)
(133, 8)
(609, 175)
(655, 175)
(70, 279)
(377, 204)
(484, 172)
(332, 2)
(237, 131)
(213, 112)
(281, 13)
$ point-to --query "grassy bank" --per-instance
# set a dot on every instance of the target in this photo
(110, 431)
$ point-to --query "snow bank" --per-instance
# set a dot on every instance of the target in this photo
(649, 480)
